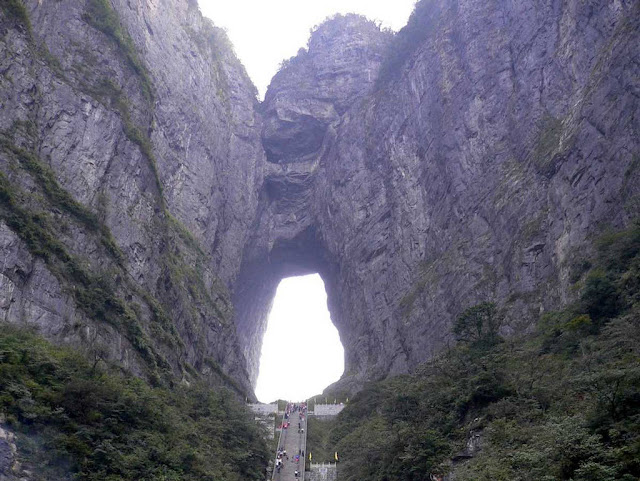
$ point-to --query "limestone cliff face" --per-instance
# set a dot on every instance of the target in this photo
(150, 205)
(125, 125)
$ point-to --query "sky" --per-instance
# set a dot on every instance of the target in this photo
(301, 352)
(266, 32)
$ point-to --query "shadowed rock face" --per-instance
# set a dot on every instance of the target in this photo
(469, 158)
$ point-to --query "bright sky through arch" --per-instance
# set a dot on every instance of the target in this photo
(301, 352)
(266, 32)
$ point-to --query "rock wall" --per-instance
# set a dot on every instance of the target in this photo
(150, 205)
(129, 135)
(506, 139)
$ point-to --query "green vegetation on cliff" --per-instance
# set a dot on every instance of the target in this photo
(75, 416)
(101, 15)
(405, 43)
(95, 294)
(560, 404)
(15, 10)
(153, 315)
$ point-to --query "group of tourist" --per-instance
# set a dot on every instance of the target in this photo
(295, 407)
(281, 455)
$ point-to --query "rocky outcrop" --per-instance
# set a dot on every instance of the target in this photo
(10, 468)
(150, 205)
(499, 141)
(314, 89)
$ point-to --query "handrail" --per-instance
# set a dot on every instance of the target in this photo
(304, 444)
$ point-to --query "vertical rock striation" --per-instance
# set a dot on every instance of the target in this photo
(129, 130)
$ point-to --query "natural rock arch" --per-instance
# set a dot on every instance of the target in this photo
(303, 106)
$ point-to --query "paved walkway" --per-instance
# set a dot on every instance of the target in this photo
(294, 442)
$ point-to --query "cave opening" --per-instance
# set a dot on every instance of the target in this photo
(301, 350)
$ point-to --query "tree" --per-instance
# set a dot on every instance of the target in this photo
(600, 297)
(478, 323)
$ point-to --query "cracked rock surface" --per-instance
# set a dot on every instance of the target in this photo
(157, 138)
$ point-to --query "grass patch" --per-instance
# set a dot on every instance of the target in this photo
(548, 144)
(426, 275)
(185, 234)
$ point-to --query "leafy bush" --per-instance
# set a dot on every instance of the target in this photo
(478, 323)
(600, 296)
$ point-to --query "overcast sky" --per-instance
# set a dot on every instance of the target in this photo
(301, 352)
(265, 32)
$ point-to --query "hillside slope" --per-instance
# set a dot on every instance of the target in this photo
(558, 404)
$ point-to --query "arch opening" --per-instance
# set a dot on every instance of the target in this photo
(301, 350)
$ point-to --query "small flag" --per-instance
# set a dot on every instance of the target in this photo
(309, 456)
